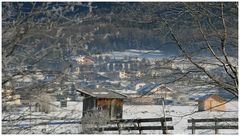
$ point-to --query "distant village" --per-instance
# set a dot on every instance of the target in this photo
(105, 87)
(136, 81)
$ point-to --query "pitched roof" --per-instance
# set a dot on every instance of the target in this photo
(88, 57)
(102, 93)
(147, 88)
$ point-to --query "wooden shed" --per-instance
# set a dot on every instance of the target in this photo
(211, 103)
(103, 99)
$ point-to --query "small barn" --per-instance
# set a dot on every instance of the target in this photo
(103, 99)
(211, 102)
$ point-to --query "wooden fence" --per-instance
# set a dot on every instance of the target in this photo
(216, 126)
(115, 125)
(137, 124)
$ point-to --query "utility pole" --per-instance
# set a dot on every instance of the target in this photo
(164, 116)
(30, 108)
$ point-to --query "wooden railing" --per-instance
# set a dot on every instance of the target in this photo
(137, 124)
(216, 126)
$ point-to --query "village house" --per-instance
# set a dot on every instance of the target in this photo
(124, 74)
(153, 94)
(156, 91)
(160, 71)
(140, 74)
(9, 97)
(111, 75)
(85, 60)
(211, 102)
(103, 100)
(131, 74)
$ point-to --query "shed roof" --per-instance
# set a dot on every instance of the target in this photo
(202, 98)
(102, 93)
(222, 93)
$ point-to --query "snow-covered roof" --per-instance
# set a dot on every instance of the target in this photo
(151, 86)
(102, 93)
(220, 92)
(147, 88)
(202, 98)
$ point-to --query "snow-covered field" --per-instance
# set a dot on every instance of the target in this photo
(150, 54)
(180, 115)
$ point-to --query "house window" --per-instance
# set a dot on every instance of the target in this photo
(63, 103)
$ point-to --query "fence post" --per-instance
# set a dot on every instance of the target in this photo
(119, 127)
(193, 126)
(139, 127)
(163, 124)
(216, 123)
